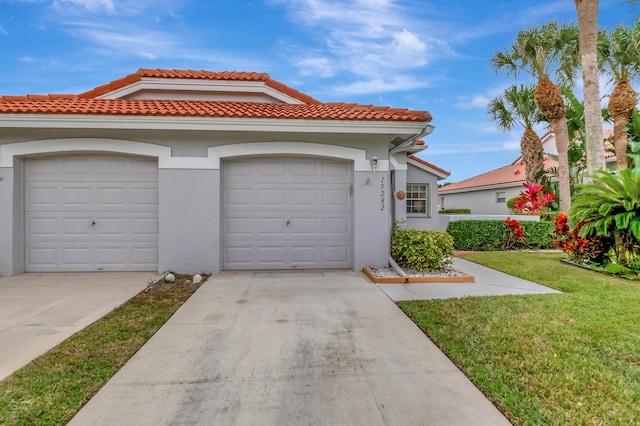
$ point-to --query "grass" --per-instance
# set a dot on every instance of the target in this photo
(558, 359)
(52, 388)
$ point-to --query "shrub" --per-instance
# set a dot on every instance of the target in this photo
(610, 208)
(533, 200)
(489, 235)
(421, 250)
(538, 235)
(581, 250)
(515, 234)
(455, 211)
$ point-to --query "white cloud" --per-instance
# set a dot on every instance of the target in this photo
(316, 66)
(471, 148)
(3, 31)
(511, 146)
(90, 5)
(381, 42)
(381, 85)
(470, 102)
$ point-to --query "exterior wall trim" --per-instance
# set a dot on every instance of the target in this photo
(358, 156)
(163, 153)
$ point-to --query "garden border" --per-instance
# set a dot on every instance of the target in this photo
(465, 278)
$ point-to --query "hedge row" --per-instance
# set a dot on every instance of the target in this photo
(488, 235)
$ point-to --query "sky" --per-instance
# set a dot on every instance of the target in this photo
(419, 54)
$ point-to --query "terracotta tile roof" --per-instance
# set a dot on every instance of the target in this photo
(68, 104)
(312, 109)
(428, 164)
(513, 173)
(198, 75)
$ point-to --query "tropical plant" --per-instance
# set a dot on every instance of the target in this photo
(514, 234)
(619, 56)
(592, 250)
(517, 107)
(633, 130)
(587, 11)
(533, 200)
(541, 52)
(610, 207)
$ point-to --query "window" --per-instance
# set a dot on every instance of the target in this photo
(417, 198)
(501, 197)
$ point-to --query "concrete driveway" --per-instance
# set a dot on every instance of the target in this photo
(38, 311)
(299, 348)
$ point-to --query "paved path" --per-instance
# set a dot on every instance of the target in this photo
(38, 311)
(489, 282)
(299, 348)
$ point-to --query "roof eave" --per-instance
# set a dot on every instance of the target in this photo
(145, 122)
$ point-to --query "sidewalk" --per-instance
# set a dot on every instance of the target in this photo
(489, 282)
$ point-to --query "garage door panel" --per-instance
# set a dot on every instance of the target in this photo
(287, 213)
(271, 168)
(336, 197)
(336, 225)
(271, 196)
(91, 212)
(335, 254)
(272, 225)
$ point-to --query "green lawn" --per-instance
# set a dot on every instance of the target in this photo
(52, 388)
(571, 358)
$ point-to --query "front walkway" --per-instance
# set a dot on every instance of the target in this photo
(489, 282)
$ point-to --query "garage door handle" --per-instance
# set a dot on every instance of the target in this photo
(93, 223)
(288, 222)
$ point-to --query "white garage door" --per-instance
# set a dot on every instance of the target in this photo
(282, 213)
(91, 213)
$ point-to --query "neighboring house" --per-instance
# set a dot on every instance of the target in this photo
(198, 171)
(488, 192)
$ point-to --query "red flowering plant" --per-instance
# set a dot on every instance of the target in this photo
(589, 249)
(533, 200)
(515, 234)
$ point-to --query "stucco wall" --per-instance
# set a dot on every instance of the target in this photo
(480, 202)
(430, 220)
(189, 197)
(189, 220)
(371, 219)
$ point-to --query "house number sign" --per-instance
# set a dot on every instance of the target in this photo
(382, 193)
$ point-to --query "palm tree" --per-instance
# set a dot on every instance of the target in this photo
(516, 106)
(587, 11)
(619, 55)
(540, 52)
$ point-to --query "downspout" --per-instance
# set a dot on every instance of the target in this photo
(397, 268)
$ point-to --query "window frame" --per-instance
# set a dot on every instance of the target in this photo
(498, 197)
(427, 199)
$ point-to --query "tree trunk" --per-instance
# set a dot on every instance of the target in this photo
(621, 103)
(559, 127)
(588, 24)
(532, 154)
(620, 140)
(549, 100)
